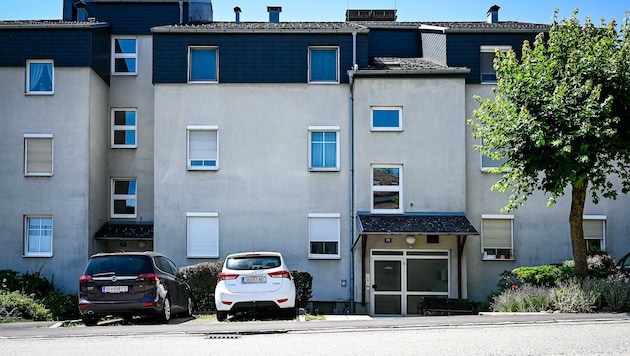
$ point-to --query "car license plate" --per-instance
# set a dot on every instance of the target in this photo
(255, 279)
(115, 289)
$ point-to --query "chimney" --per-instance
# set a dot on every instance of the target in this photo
(237, 13)
(199, 11)
(274, 13)
(493, 14)
(82, 10)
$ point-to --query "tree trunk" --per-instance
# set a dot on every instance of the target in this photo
(576, 216)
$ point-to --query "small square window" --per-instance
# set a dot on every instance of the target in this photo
(203, 64)
(124, 128)
(124, 195)
(38, 236)
(38, 155)
(323, 148)
(124, 55)
(386, 118)
(324, 235)
(594, 233)
(40, 77)
(323, 64)
(203, 148)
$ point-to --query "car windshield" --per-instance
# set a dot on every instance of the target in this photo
(252, 262)
(119, 265)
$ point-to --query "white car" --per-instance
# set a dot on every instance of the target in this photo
(253, 282)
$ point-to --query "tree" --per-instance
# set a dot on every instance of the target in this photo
(561, 118)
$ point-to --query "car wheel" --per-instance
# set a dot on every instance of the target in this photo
(90, 320)
(165, 315)
(288, 314)
(221, 316)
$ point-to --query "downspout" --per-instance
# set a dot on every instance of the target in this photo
(351, 163)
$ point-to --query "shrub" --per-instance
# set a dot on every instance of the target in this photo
(527, 298)
(545, 275)
(613, 292)
(570, 297)
(303, 288)
(202, 278)
(20, 305)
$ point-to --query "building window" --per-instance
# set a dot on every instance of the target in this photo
(497, 237)
(323, 64)
(488, 74)
(594, 233)
(124, 128)
(40, 76)
(386, 189)
(488, 163)
(38, 236)
(202, 231)
(124, 198)
(324, 235)
(38, 154)
(203, 147)
(124, 55)
(386, 118)
(203, 64)
(323, 148)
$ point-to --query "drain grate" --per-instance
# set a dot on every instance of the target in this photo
(224, 336)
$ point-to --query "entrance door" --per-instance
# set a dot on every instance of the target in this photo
(401, 279)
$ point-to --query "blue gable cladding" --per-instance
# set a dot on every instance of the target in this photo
(394, 43)
(68, 47)
(463, 49)
(252, 58)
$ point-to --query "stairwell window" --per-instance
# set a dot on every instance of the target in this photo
(202, 235)
(38, 236)
(124, 128)
(594, 233)
(323, 64)
(203, 64)
(323, 148)
(40, 76)
(386, 118)
(386, 189)
(124, 198)
(324, 235)
(203, 147)
(38, 154)
(487, 55)
(124, 56)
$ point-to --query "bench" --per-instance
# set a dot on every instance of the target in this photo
(447, 306)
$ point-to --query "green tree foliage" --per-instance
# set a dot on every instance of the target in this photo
(561, 118)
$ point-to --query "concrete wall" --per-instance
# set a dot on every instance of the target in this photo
(263, 190)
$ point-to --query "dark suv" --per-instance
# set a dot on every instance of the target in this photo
(134, 283)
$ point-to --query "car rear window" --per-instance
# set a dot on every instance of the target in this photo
(119, 265)
(253, 262)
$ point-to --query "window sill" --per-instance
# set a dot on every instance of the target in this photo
(38, 256)
(202, 256)
(498, 259)
(324, 257)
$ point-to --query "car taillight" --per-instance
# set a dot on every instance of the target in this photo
(149, 277)
(280, 274)
(226, 276)
(85, 279)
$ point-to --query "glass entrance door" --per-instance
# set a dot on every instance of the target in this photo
(387, 287)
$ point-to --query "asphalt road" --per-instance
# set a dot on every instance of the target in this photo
(529, 334)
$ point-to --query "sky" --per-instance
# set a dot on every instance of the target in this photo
(535, 11)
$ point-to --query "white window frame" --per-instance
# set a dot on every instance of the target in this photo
(317, 236)
(189, 160)
(115, 197)
(125, 128)
(27, 237)
(588, 231)
(28, 77)
(313, 129)
(387, 188)
(490, 252)
(389, 108)
(116, 56)
(337, 75)
(29, 137)
(190, 49)
(490, 49)
(209, 248)
(488, 168)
